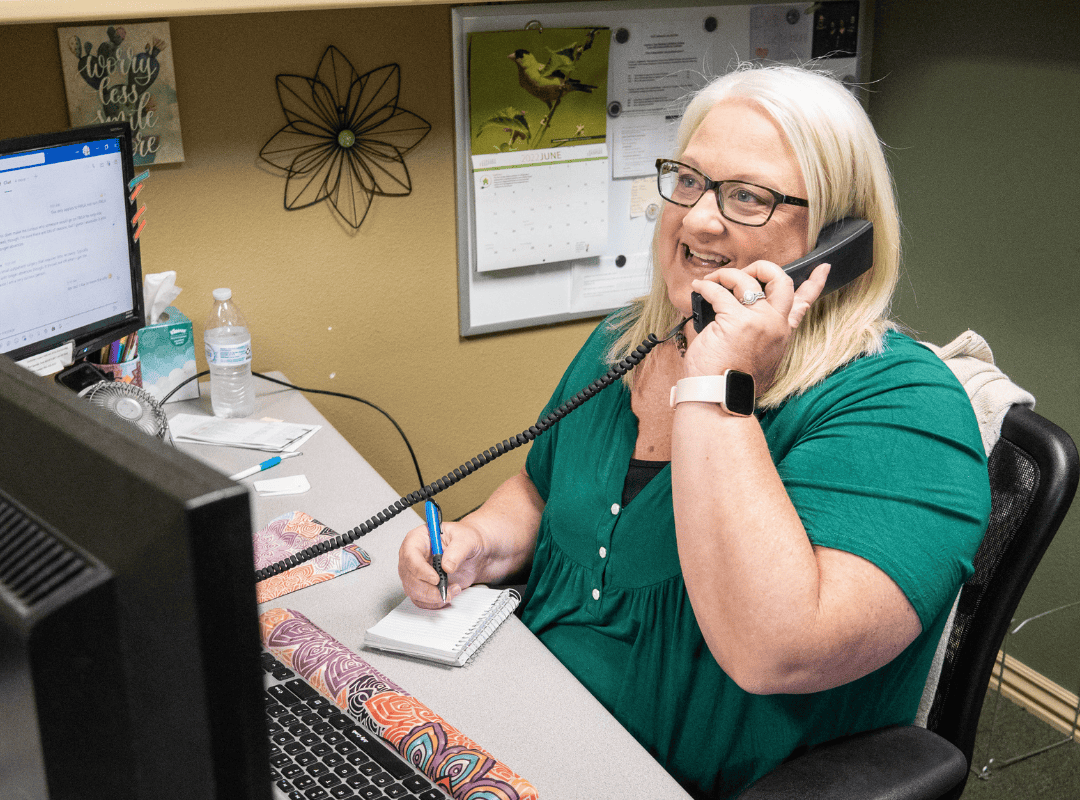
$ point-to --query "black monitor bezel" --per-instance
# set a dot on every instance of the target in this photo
(174, 538)
(100, 334)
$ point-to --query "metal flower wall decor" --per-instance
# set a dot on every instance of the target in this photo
(346, 137)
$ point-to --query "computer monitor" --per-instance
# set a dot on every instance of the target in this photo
(129, 642)
(69, 260)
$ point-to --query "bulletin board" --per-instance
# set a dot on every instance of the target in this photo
(561, 111)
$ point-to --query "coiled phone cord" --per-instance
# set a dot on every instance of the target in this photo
(471, 466)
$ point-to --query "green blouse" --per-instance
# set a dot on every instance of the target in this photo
(882, 459)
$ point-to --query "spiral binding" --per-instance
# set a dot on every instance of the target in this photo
(484, 634)
(469, 467)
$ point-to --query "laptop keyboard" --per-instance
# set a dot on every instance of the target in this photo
(318, 752)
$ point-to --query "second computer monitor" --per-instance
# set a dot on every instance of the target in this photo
(70, 268)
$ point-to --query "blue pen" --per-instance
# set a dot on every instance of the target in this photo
(434, 520)
(270, 462)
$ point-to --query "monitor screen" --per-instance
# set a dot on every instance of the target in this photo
(69, 260)
(129, 641)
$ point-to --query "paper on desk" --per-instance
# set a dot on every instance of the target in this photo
(291, 484)
(271, 435)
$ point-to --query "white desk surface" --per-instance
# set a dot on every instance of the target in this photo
(514, 698)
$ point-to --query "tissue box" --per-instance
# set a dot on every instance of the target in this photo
(167, 353)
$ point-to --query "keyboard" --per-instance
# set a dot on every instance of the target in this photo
(318, 752)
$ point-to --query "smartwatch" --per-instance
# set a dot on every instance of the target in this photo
(734, 391)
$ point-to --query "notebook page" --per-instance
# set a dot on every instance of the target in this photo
(444, 629)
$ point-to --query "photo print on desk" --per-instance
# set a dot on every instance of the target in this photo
(124, 72)
(345, 138)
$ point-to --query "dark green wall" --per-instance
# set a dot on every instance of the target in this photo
(979, 104)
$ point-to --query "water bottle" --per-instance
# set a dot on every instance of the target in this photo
(228, 354)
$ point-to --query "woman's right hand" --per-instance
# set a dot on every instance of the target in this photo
(462, 561)
(486, 546)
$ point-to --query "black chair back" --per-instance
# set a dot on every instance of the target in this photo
(1033, 477)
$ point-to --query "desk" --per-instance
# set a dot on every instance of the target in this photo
(536, 718)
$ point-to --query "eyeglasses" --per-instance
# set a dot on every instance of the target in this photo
(738, 201)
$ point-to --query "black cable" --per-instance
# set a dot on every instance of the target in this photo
(412, 454)
(182, 384)
(404, 438)
(486, 457)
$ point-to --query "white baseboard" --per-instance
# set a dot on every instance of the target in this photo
(1038, 695)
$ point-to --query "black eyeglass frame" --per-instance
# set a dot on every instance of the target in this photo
(714, 186)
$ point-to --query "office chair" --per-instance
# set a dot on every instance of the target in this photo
(1033, 477)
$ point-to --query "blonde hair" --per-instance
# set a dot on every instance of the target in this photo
(844, 169)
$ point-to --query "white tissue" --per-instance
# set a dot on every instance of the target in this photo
(159, 290)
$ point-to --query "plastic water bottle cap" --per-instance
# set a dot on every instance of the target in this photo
(221, 295)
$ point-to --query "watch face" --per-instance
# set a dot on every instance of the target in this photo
(740, 393)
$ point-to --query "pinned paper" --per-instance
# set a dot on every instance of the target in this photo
(645, 198)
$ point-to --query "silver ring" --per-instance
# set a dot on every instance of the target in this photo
(749, 297)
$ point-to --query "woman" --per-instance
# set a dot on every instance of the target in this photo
(734, 588)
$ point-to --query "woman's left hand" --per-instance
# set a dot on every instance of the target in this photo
(751, 338)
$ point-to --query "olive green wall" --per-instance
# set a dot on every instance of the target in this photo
(977, 102)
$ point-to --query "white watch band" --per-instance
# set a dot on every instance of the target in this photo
(710, 389)
(704, 389)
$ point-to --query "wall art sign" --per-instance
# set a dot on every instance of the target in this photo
(124, 72)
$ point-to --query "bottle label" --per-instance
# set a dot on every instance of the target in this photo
(228, 355)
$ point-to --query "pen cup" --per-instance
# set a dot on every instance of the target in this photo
(125, 372)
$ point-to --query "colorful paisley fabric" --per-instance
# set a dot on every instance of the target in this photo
(289, 534)
(450, 759)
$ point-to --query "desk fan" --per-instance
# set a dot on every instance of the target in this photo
(129, 402)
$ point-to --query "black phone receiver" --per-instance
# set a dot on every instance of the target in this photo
(848, 245)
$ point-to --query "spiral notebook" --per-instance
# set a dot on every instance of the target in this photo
(449, 635)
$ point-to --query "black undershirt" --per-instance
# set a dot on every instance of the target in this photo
(638, 475)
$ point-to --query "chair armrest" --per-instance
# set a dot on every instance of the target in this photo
(897, 763)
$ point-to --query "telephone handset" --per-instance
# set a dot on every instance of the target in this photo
(848, 245)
